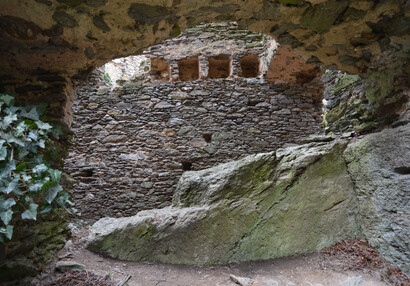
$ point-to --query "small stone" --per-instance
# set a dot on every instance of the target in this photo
(69, 266)
(178, 95)
(163, 104)
(243, 281)
(146, 185)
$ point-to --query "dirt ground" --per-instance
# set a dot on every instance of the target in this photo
(304, 270)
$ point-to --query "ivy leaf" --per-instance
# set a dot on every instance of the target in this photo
(20, 129)
(6, 168)
(55, 175)
(26, 177)
(42, 125)
(7, 231)
(41, 108)
(31, 213)
(32, 114)
(21, 167)
(35, 186)
(3, 153)
(39, 169)
(7, 120)
(10, 138)
(51, 193)
(41, 143)
(46, 209)
(6, 204)
(6, 99)
(21, 153)
(11, 186)
(33, 134)
(6, 216)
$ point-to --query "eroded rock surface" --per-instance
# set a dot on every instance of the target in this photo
(268, 205)
(379, 165)
(296, 200)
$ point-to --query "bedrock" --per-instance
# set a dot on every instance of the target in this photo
(292, 201)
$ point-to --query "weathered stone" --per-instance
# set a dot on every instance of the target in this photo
(321, 17)
(243, 210)
(143, 13)
(69, 266)
(65, 19)
(115, 139)
(243, 281)
(379, 167)
(100, 23)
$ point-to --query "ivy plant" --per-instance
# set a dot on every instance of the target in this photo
(28, 185)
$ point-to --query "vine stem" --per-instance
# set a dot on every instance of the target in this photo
(11, 156)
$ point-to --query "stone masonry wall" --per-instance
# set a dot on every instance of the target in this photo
(132, 143)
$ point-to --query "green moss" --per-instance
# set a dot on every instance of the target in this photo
(380, 84)
(321, 17)
(176, 31)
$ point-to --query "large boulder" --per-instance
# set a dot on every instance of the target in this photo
(292, 201)
(379, 165)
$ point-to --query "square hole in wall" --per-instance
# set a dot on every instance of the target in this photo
(160, 69)
(219, 66)
(188, 69)
(250, 65)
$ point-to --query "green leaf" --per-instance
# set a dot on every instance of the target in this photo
(32, 114)
(63, 200)
(3, 153)
(6, 216)
(7, 231)
(20, 129)
(26, 177)
(21, 167)
(42, 125)
(39, 169)
(6, 99)
(21, 153)
(31, 213)
(6, 168)
(51, 193)
(6, 204)
(35, 186)
(11, 186)
(33, 134)
(41, 108)
(7, 120)
(46, 209)
(10, 138)
(41, 144)
(55, 175)
(56, 131)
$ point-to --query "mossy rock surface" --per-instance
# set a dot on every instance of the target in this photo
(263, 206)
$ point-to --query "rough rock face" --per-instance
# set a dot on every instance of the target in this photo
(33, 245)
(263, 206)
(69, 36)
(296, 200)
(379, 165)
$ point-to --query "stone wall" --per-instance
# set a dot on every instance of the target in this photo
(219, 50)
(132, 143)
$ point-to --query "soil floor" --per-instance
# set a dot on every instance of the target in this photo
(305, 270)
